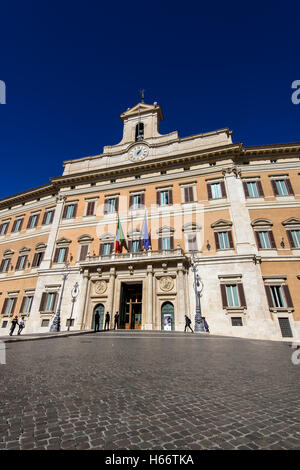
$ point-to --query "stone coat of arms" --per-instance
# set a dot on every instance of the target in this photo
(100, 287)
(166, 283)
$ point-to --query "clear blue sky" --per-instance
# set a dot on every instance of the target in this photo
(72, 67)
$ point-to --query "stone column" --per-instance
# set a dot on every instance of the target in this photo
(149, 310)
(82, 301)
(110, 303)
(181, 296)
(46, 263)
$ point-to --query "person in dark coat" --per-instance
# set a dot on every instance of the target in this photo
(107, 320)
(116, 320)
(188, 324)
(14, 323)
(206, 326)
(97, 320)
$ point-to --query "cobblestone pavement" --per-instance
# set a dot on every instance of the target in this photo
(149, 390)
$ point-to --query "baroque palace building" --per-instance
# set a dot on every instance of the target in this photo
(233, 208)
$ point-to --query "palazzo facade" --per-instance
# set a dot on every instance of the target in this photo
(230, 210)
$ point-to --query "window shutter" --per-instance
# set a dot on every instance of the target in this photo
(90, 208)
(55, 302)
(29, 221)
(18, 262)
(172, 243)
(83, 252)
(289, 187)
(44, 218)
(159, 243)
(269, 296)
(75, 211)
(272, 240)
(2, 265)
(25, 261)
(158, 198)
(129, 246)
(257, 239)
(223, 190)
(288, 297)
(111, 247)
(21, 224)
(170, 196)
(13, 307)
(130, 201)
(230, 238)
(246, 189)
(52, 216)
(65, 212)
(275, 190)
(23, 304)
(14, 226)
(209, 191)
(105, 206)
(140, 245)
(260, 189)
(142, 199)
(291, 240)
(191, 192)
(66, 254)
(217, 240)
(37, 220)
(224, 296)
(242, 295)
(56, 255)
(117, 204)
(6, 228)
(101, 249)
(43, 302)
(4, 308)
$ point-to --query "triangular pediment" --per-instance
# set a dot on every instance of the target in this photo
(142, 108)
(291, 221)
(63, 241)
(221, 223)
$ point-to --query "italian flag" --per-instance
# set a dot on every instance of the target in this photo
(120, 239)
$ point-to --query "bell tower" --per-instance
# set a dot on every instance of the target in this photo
(141, 122)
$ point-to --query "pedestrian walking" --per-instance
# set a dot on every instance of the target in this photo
(116, 320)
(21, 325)
(188, 324)
(107, 320)
(97, 321)
(206, 326)
(14, 323)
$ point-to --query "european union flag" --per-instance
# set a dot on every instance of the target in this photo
(145, 235)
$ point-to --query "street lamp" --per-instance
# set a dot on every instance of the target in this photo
(74, 294)
(197, 284)
(55, 327)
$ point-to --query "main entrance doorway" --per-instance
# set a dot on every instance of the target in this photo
(100, 309)
(131, 306)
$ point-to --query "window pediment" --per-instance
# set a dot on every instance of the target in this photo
(260, 223)
(40, 246)
(191, 227)
(8, 253)
(165, 230)
(24, 250)
(221, 223)
(63, 241)
(107, 237)
(85, 239)
(291, 221)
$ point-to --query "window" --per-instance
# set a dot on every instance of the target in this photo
(233, 295)
(5, 265)
(111, 205)
(223, 240)
(45, 323)
(48, 302)
(26, 304)
(70, 211)
(164, 197)
(9, 306)
(4, 324)
(139, 131)
(48, 217)
(216, 190)
(4, 228)
(33, 220)
(70, 322)
(83, 252)
(278, 296)
(192, 242)
(285, 327)
(253, 189)
(61, 255)
(17, 225)
(188, 193)
(236, 321)
(136, 201)
(90, 208)
(37, 259)
(295, 234)
(106, 248)
(264, 240)
(21, 263)
(166, 243)
(282, 187)
(135, 246)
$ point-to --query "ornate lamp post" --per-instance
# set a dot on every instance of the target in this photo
(74, 294)
(198, 288)
(55, 327)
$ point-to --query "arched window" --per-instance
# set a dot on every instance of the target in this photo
(139, 131)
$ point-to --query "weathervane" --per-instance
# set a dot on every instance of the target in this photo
(141, 92)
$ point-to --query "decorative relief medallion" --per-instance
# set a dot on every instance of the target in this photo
(166, 283)
(100, 287)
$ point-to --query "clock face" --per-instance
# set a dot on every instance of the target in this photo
(137, 153)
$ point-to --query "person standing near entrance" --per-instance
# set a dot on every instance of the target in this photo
(21, 325)
(188, 324)
(14, 323)
(107, 320)
(97, 320)
(116, 320)
(206, 326)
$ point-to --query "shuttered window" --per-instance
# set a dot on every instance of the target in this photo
(164, 197)
(216, 190)
(70, 211)
(90, 209)
(136, 201)
(4, 265)
(106, 248)
(188, 193)
(21, 263)
(48, 302)
(265, 239)
(48, 217)
(60, 255)
(295, 234)
(83, 252)
(17, 225)
(4, 228)
(192, 242)
(26, 304)
(33, 221)
(111, 205)
(233, 295)
(282, 187)
(37, 259)
(9, 306)
(285, 327)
